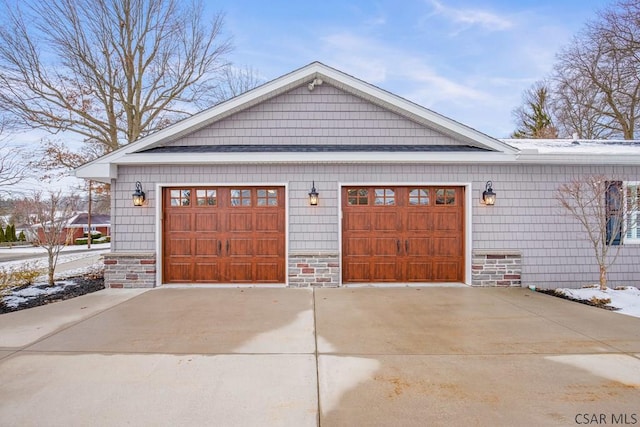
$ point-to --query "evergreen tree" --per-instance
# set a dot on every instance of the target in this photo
(2, 236)
(22, 237)
(14, 237)
(533, 118)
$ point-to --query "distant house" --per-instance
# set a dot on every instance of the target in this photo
(78, 226)
(320, 179)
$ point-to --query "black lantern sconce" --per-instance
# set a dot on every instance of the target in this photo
(488, 196)
(313, 195)
(138, 195)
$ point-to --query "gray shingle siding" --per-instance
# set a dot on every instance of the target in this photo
(324, 116)
(526, 216)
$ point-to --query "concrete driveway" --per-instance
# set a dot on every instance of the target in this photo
(330, 357)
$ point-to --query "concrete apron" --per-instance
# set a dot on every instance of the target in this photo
(402, 356)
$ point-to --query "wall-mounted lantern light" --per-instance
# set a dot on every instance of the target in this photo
(313, 195)
(488, 196)
(138, 195)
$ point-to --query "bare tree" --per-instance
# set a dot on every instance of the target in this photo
(236, 81)
(110, 71)
(604, 61)
(13, 167)
(576, 105)
(533, 118)
(50, 215)
(605, 214)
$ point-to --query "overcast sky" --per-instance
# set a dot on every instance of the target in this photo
(469, 60)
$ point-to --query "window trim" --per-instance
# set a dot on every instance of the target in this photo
(636, 226)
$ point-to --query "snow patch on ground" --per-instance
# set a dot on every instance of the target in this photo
(40, 261)
(40, 288)
(625, 300)
(15, 298)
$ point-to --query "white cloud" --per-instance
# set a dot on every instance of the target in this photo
(433, 88)
(472, 17)
(375, 62)
(422, 78)
(356, 55)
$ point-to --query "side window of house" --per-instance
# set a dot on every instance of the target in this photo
(180, 197)
(613, 203)
(632, 214)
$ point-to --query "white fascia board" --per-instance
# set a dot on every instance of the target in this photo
(329, 157)
(577, 158)
(98, 171)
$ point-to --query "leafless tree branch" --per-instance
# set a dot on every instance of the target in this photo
(601, 210)
(110, 71)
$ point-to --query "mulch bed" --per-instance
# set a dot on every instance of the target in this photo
(552, 292)
(81, 286)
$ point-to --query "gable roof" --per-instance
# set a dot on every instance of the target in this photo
(78, 220)
(82, 219)
(105, 168)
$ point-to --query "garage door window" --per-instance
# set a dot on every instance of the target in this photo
(358, 196)
(419, 197)
(385, 197)
(181, 197)
(240, 197)
(268, 197)
(207, 197)
(445, 196)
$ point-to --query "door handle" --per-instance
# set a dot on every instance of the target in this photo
(398, 245)
(228, 246)
(406, 246)
(219, 247)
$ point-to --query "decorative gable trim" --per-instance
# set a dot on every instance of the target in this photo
(105, 168)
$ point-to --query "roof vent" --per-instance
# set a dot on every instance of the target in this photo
(575, 139)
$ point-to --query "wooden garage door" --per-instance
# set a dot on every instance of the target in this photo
(223, 235)
(403, 234)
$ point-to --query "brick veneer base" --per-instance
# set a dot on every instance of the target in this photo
(138, 270)
(314, 270)
(496, 268)
(130, 270)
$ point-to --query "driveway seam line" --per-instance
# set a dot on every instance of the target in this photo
(315, 338)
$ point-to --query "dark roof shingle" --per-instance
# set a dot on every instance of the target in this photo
(294, 148)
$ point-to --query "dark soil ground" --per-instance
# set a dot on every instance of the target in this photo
(81, 286)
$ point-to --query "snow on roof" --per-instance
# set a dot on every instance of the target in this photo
(576, 146)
